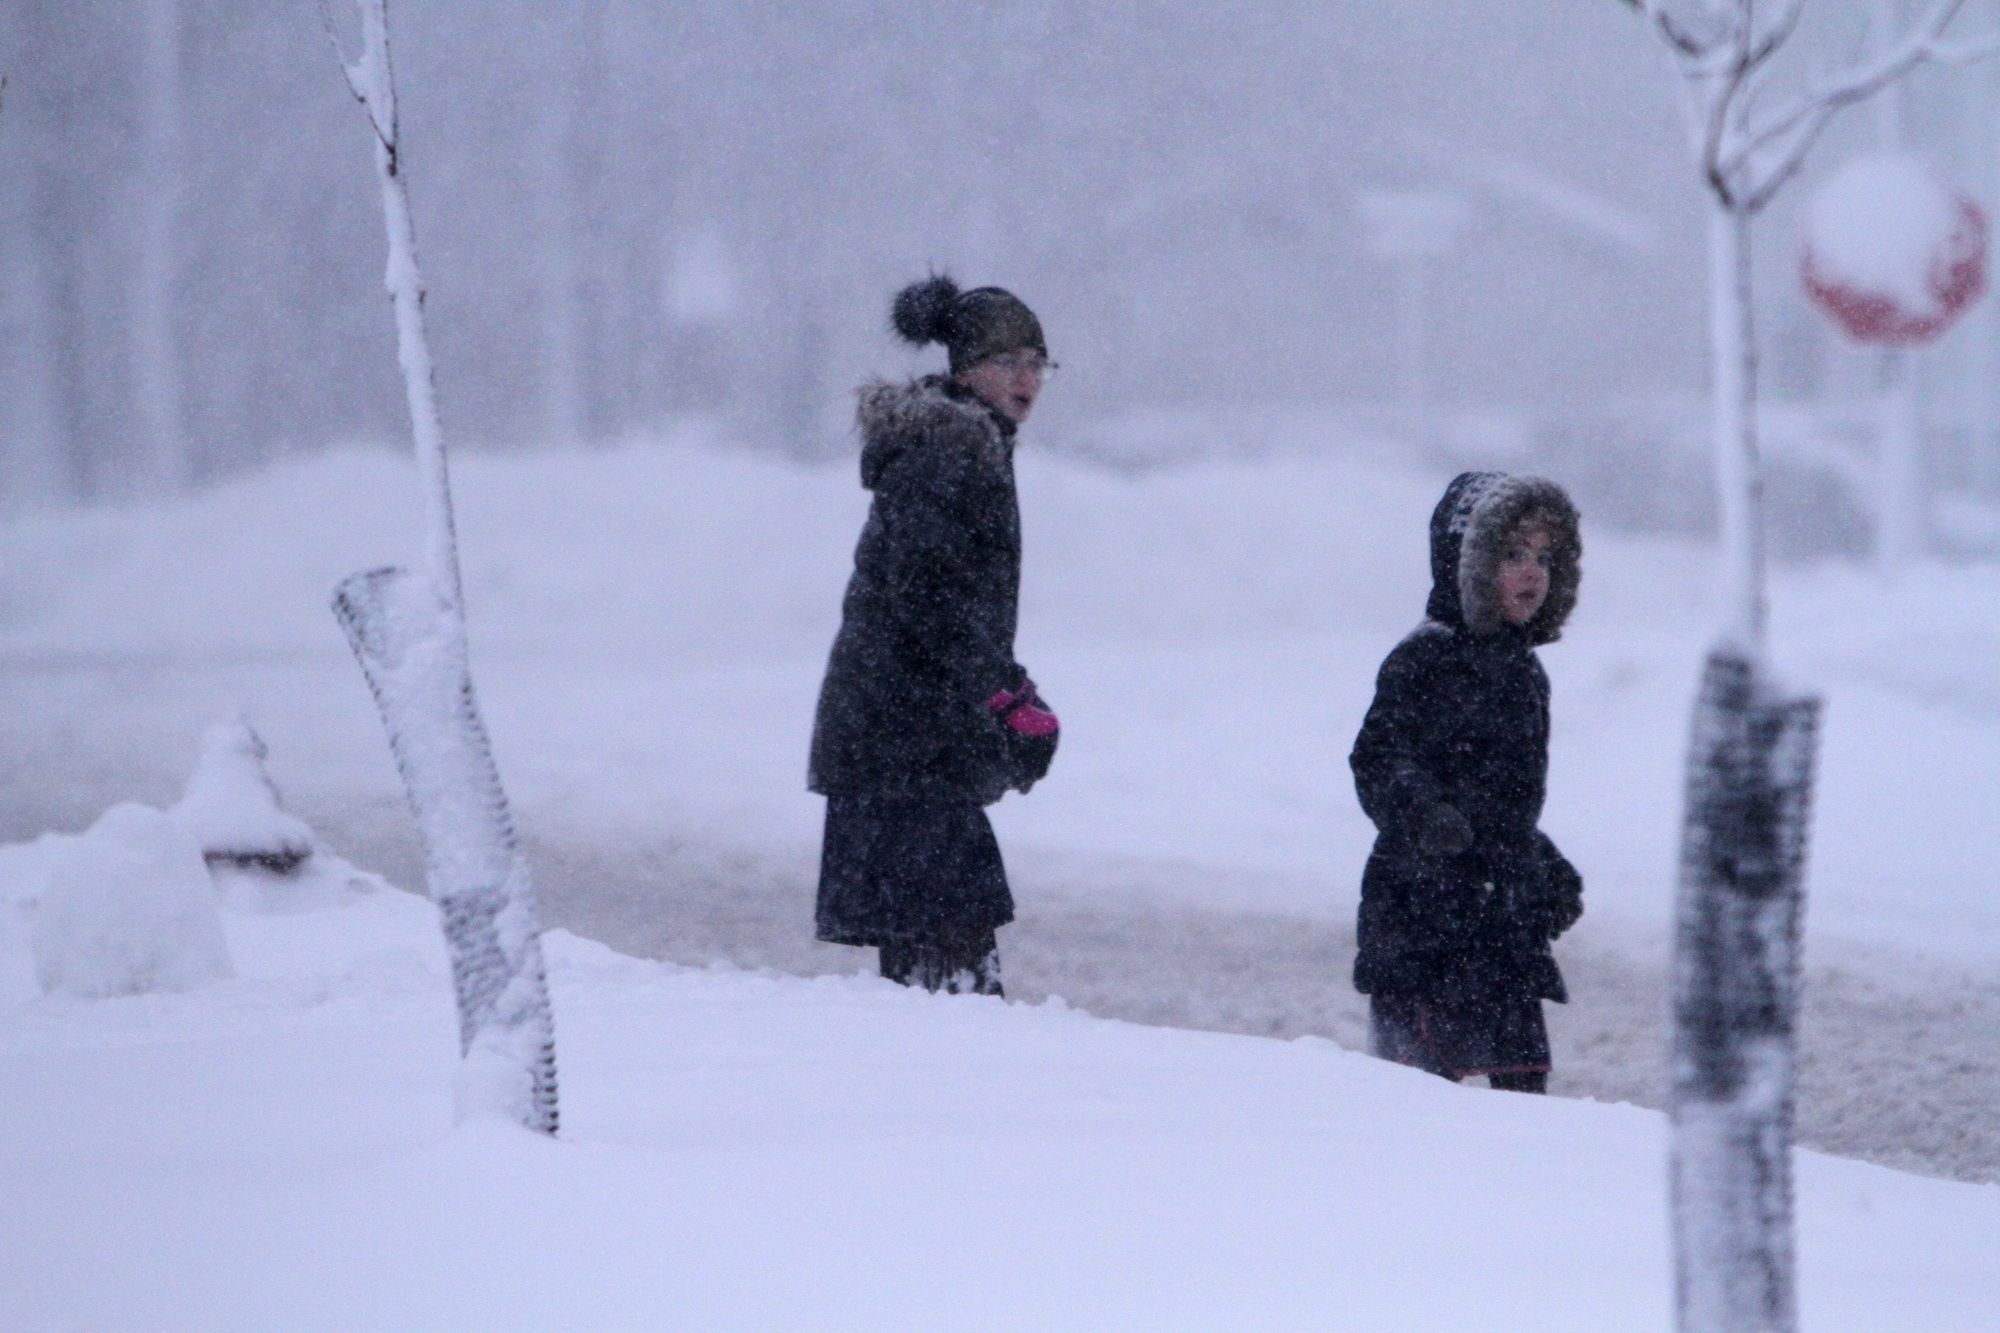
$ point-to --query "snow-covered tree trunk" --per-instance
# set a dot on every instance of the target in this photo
(1749, 771)
(1732, 343)
(156, 348)
(558, 304)
(1900, 512)
(414, 656)
(408, 631)
(1736, 964)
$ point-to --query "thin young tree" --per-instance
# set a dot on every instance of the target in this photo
(156, 348)
(408, 631)
(562, 29)
(1751, 758)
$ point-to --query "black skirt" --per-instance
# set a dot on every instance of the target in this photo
(1479, 1019)
(895, 869)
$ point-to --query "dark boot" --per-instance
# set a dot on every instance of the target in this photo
(1526, 1080)
(967, 966)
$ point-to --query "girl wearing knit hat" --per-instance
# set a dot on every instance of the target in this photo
(925, 717)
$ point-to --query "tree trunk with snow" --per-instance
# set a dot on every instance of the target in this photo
(408, 631)
(1749, 771)
(1739, 468)
(558, 303)
(1736, 964)
(414, 656)
(1900, 511)
(156, 348)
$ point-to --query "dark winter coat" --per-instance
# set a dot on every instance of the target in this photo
(1461, 719)
(927, 628)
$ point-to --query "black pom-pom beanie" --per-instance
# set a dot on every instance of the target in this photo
(974, 325)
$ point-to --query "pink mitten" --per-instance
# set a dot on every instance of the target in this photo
(1030, 720)
(1022, 711)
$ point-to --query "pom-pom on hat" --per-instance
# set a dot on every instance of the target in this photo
(974, 325)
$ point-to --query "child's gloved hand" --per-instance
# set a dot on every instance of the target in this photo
(1562, 897)
(1445, 831)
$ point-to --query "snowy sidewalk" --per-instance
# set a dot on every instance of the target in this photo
(1899, 1062)
(746, 1151)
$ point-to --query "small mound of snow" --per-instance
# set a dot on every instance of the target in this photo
(129, 909)
(231, 805)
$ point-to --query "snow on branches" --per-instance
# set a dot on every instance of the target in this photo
(1750, 144)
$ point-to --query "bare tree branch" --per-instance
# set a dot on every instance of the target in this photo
(1682, 40)
(1780, 32)
(1813, 109)
(1789, 165)
(339, 55)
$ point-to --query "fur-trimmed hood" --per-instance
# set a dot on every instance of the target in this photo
(1470, 530)
(927, 412)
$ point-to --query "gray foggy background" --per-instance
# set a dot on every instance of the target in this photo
(631, 213)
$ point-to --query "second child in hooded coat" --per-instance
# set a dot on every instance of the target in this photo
(1463, 892)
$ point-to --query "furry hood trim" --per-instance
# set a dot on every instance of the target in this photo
(1470, 531)
(927, 412)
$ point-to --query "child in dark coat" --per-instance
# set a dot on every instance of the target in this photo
(925, 717)
(1463, 893)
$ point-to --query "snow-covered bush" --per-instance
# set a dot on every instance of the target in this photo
(129, 909)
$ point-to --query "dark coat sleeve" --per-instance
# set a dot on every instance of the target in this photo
(1390, 776)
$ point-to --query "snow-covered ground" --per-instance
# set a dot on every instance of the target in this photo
(649, 625)
(757, 1151)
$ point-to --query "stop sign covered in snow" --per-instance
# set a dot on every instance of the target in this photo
(1891, 252)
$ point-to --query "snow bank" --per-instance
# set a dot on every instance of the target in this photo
(751, 1151)
(132, 906)
(129, 910)
(680, 553)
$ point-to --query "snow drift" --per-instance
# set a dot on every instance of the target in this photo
(129, 909)
(745, 1151)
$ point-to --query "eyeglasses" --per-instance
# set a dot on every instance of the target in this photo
(1016, 363)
